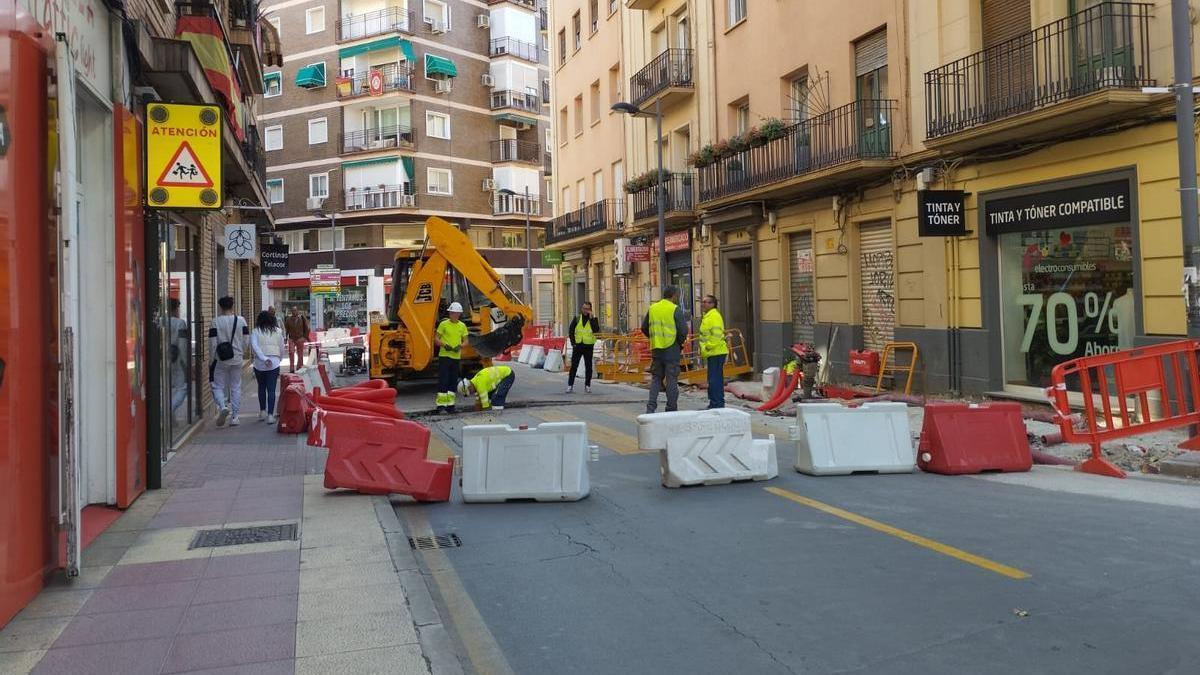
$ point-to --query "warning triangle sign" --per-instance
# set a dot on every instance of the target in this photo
(184, 170)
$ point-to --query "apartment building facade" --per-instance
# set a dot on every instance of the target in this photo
(387, 112)
(818, 133)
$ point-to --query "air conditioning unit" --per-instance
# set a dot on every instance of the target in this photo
(489, 184)
(620, 264)
(315, 203)
(408, 201)
(483, 21)
(523, 126)
(488, 80)
(436, 26)
(442, 86)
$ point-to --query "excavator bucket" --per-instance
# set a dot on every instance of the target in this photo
(497, 341)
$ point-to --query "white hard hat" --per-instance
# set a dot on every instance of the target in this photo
(455, 307)
(464, 387)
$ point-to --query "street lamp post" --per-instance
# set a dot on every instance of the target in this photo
(527, 282)
(659, 188)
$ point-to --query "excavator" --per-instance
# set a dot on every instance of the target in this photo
(447, 268)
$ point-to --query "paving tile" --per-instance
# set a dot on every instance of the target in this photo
(88, 629)
(149, 596)
(327, 556)
(21, 635)
(20, 663)
(126, 658)
(239, 614)
(59, 603)
(154, 573)
(101, 556)
(381, 598)
(347, 576)
(264, 512)
(352, 633)
(406, 660)
(89, 577)
(187, 519)
(245, 549)
(241, 646)
(110, 539)
(161, 545)
(283, 667)
(253, 563)
(227, 589)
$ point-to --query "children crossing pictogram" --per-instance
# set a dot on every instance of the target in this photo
(184, 170)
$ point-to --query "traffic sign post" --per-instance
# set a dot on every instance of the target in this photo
(325, 281)
(183, 156)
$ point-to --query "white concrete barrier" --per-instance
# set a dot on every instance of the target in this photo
(554, 361)
(537, 356)
(706, 447)
(833, 439)
(547, 463)
(523, 357)
(312, 378)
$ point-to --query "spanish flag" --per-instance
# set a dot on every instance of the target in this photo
(209, 44)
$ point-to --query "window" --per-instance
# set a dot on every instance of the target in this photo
(273, 138)
(294, 240)
(562, 46)
(549, 191)
(549, 138)
(566, 200)
(870, 66)
(581, 190)
(318, 131)
(614, 84)
(579, 114)
(598, 185)
(618, 174)
(272, 84)
(737, 11)
(593, 15)
(562, 123)
(742, 118)
(437, 125)
(275, 21)
(275, 190)
(594, 101)
(437, 14)
(314, 20)
(612, 7)
(577, 31)
(797, 103)
(325, 238)
(439, 181)
(513, 239)
(318, 185)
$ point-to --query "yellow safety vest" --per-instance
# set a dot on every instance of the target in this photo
(486, 381)
(583, 331)
(452, 335)
(662, 324)
(712, 335)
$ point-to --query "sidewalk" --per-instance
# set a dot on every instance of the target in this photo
(318, 592)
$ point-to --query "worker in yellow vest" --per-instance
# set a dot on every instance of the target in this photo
(491, 385)
(714, 350)
(449, 338)
(667, 330)
(582, 333)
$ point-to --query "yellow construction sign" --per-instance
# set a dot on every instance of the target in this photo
(183, 156)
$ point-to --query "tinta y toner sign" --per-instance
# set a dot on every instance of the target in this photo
(1095, 204)
(940, 213)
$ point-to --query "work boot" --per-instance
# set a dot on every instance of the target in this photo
(570, 389)
(450, 410)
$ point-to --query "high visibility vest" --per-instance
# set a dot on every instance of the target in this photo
(712, 334)
(452, 336)
(486, 381)
(583, 331)
(662, 324)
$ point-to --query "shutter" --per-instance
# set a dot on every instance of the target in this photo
(877, 274)
(803, 298)
(602, 296)
(545, 303)
(870, 53)
(1008, 69)
(1004, 20)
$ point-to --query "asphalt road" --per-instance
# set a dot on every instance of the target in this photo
(873, 574)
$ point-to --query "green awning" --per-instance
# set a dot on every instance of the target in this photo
(409, 168)
(516, 119)
(438, 65)
(311, 76)
(386, 43)
(368, 162)
(272, 76)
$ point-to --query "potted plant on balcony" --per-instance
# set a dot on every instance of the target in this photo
(702, 157)
(773, 128)
(755, 138)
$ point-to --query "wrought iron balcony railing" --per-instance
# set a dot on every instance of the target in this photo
(512, 150)
(679, 195)
(379, 22)
(377, 138)
(396, 77)
(672, 68)
(506, 46)
(382, 197)
(506, 98)
(607, 215)
(516, 205)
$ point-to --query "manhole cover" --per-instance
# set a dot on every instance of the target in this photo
(243, 535)
(426, 542)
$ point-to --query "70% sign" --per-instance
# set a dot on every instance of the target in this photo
(1059, 306)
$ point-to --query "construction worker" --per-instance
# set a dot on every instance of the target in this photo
(714, 351)
(582, 333)
(667, 330)
(449, 338)
(491, 385)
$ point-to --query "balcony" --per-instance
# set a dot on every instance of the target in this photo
(379, 22)
(516, 205)
(844, 145)
(378, 138)
(1081, 70)
(543, 20)
(547, 164)
(545, 92)
(679, 199)
(527, 4)
(506, 46)
(396, 77)
(641, 4)
(401, 196)
(512, 150)
(525, 101)
(668, 76)
(605, 217)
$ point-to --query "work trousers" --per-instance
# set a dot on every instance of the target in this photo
(664, 375)
(584, 353)
(296, 353)
(716, 381)
(448, 373)
(227, 386)
(268, 384)
(499, 396)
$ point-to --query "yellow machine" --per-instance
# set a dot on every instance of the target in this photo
(424, 283)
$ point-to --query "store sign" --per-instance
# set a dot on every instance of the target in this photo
(325, 281)
(941, 213)
(678, 241)
(183, 156)
(273, 258)
(568, 275)
(637, 253)
(1097, 204)
(85, 23)
(240, 242)
(551, 256)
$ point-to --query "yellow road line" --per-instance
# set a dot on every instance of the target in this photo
(970, 558)
(608, 437)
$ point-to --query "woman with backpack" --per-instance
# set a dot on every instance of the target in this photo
(267, 343)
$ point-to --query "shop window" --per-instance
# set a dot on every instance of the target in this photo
(275, 190)
(182, 376)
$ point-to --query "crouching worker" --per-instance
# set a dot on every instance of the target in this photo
(491, 385)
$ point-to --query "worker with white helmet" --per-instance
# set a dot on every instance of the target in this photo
(491, 385)
(449, 339)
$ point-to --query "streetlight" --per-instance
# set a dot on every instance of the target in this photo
(659, 197)
(527, 282)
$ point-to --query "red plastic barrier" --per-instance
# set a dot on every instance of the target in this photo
(295, 410)
(288, 379)
(365, 384)
(354, 406)
(378, 457)
(385, 395)
(960, 438)
(559, 343)
(1120, 387)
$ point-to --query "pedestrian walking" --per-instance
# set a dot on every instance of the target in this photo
(451, 333)
(296, 326)
(267, 344)
(666, 328)
(227, 339)
(582, 333)
(714, 350)
(491, 385)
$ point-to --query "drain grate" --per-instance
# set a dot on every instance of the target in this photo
(426, 542)
(243, 535)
